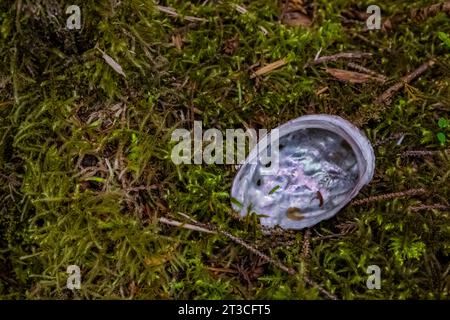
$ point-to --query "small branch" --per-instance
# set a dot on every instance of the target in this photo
(389, 196)
(422, 153)
(338, 56)
(386, 97)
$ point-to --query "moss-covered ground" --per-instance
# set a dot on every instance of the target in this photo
(86, 173)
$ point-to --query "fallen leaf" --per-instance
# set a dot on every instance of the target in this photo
(351, 76)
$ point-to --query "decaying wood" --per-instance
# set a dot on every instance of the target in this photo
(386, 97)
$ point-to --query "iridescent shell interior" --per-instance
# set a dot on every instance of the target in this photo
(317, 170)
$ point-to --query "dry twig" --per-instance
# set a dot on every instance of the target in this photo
(386, 97)
(389, 196)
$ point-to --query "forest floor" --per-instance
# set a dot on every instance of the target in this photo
(86, 118)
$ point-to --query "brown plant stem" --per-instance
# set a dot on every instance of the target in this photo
(386, 97)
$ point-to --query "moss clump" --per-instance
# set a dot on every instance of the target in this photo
(85, 169)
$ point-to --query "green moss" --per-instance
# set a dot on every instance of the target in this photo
(85, 167)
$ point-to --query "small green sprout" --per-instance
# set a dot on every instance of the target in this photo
(443, 125)
(445, 38)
